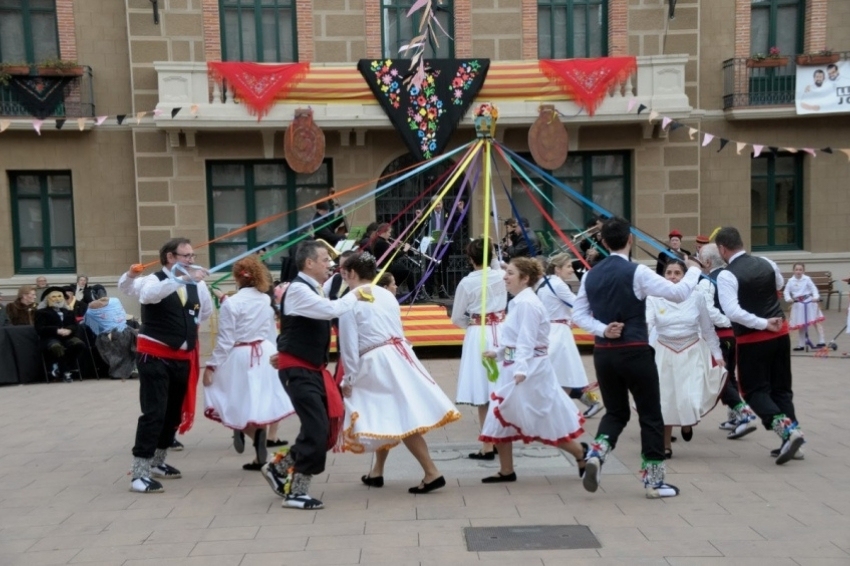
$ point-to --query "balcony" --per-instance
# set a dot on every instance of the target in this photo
(77, 99)
(659, 84)
(756, 92)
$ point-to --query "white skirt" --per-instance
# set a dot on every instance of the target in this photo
(689, 382)
(804, 314)
(473, 387)
(564, 356)
(392, 397)
(247, 390)
(536, 410)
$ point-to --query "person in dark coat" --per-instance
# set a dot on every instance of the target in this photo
(57, 327)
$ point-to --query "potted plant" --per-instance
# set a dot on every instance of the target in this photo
(59, 68)
(773, 58)
(8, 70)
(822, 57)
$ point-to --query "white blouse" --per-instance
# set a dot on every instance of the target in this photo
(678, 322)
(525, 328)
(553, 291)
(796, 288)
(367, 325)
(467, 299)
(246, 317)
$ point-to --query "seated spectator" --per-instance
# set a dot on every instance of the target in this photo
(81, 290)
(21, 312)
(57, 327)
(115, 341)
(41, 282)
(73, 304)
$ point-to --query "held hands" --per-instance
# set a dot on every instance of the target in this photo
(273, 361)
(692, 261)
(519, 378)
(208, 376)
(614, 330)
(63, 332)
(346, 390)
(775, 324)
(489, 354)
(197, 274)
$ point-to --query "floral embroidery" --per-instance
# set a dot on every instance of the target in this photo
(388, 78)
(466, 73)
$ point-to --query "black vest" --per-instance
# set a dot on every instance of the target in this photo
(610, 292)
(170, 321)
(302, 337)
(713, 275)
(756, 289)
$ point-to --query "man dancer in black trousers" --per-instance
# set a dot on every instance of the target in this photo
(747, 289)
(611, 303)
(305, 336)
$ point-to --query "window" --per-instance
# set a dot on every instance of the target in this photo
(602, 177)
(777, 23)
(43, 222)
(261, 31)
(776, 202)
(28, 31)
(397, 29)
(244, 192)
(572, 28)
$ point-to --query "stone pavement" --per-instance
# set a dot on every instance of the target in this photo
(64, 498)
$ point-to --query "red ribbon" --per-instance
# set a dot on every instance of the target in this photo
(159, 350)
(256, 350)
(258, 85)
(588, 80)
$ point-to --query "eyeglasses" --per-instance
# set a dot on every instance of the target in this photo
(189, 256)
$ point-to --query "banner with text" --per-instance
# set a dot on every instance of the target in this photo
(823, 89)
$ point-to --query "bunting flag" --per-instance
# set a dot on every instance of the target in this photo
(692, 132)
(845, 152)
(174, 111)
(59, 123)
(4, 124)
(676, 125)
(707, 139)
(81, 124)
(723, 142)
(100, 120)
(589, 80)
(826, 150)
(139, 116)
(641, 108)
(665, 122)
(810, 151)
(425, 118)
(36, 125)
(39, 95)
(258, 85)
(653, 116)
(741, 146)
(193, 109)
(632, 103)
(120, 118)
(757, 149)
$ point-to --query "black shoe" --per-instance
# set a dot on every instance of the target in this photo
(500, 478)
(687, 433)
(585, 448)
(668, 453)
(252, 466)
(239, 441)
(176, 446)
(377, 481)
(276, 442)
(490, 456)
(428, 487)
(799, 349)
(820, 345)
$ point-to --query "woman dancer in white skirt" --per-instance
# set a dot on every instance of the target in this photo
(473, 388)
(803, 293)
(687, 352)
(242, 390)
(564, 356)
(389, 395)
(528, 403)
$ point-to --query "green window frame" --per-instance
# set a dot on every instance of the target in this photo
(397, 29)
(778, 23)
(603, 177)
(572, 28)
(43, 221)
(28, 31)
(776, 202)
(243, 192)
(259, 31)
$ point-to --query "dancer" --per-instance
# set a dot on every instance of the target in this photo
(748, 294)
(801, 291)
(688, 356)
(739, 415)
(173, 305)
(558, 299)
(305, 336)
(473, 387)
(389, 395)
(615, 292)
(527, 403)
(241, 389)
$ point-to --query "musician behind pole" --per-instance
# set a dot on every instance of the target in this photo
(331, 233)
(515, 243)
(438, 221)
(380, 244)
(590, 245)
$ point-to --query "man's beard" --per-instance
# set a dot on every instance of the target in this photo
(57, 304)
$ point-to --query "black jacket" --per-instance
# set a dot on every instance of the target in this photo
(48, 321)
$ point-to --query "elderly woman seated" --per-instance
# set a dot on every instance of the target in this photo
(115, 342)
(21, 312)
(57, 328)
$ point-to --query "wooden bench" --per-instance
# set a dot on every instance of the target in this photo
(824, 282)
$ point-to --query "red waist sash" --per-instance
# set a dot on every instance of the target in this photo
(336, 409)
(490, 318)
(146, 346)
(762, 335)
(724, 332)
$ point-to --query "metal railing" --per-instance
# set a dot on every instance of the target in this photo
(753, 83)
(77, 99)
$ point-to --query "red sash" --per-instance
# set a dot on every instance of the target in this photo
(149, 347)
(763, 335)
(724, 332)
(336, 409)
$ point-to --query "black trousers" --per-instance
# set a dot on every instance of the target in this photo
(729, 395)
(630, 369)
(65, 351)
(162, 387)
(764, 371)
(306, 390)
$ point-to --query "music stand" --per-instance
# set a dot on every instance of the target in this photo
(439, 269)
(345, 245)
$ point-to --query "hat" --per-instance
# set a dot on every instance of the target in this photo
(53, 289)
(674, 234)
(702, 239)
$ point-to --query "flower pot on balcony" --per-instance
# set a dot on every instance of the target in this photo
(809, 60)
(15, 70)
(767, 62)
(76, 71)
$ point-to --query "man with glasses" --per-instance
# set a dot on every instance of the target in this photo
(175, 300)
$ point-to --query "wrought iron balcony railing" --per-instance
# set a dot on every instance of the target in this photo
(77, 99)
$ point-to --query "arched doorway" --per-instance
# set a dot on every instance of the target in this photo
(393, 201)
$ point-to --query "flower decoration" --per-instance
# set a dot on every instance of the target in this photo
(464, 77)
